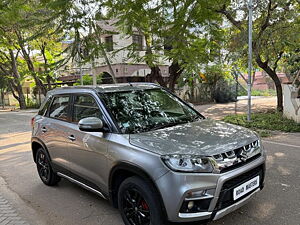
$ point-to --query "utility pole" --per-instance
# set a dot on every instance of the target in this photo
(250, 15)
(79, 61)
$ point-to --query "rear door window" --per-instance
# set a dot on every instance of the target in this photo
(60, 108)
(85, 106)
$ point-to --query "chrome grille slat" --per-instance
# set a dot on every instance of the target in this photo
(236, 156)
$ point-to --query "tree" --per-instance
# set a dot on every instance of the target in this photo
(9, 73)
(181, 32)
(28, 30)
(274, 30)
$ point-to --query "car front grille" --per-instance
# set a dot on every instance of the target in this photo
(226, 194)
(236, 158)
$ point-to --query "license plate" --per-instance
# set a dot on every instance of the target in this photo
(245, 188)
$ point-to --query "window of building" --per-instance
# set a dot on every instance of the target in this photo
(109, 44)
(85, 106)
(60, 108)
(125, 70)
(137, 41)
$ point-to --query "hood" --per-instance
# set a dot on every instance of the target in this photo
(204, 137)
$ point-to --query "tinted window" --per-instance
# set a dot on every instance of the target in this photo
(44, 107)
(85, 106)
(60, 107)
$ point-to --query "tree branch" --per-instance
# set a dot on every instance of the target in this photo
(276, 61)
(227, 14)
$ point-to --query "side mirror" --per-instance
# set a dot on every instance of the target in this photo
(90, 124)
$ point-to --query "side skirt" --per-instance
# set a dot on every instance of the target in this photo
(81, 184)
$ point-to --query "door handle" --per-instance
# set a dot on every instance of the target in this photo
(44, 129)
(72, 138)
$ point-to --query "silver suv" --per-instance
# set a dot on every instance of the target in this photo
(150, 153)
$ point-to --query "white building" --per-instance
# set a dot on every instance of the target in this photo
(125, 69)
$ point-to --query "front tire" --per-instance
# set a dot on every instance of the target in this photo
(138, 203)
(44, 168)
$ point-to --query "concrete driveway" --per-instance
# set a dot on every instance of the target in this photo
(277, 204)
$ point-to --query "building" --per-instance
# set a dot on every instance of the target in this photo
(124, 67)
(262, 81)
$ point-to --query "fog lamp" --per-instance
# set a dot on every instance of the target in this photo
(190, 204)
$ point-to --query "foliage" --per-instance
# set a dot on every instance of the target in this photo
(292, 62)
(275, 32)
(88, 80)
(186, 33)
(32, 104)
(265, 121)
(215, 83)
(30, 45)
(214, 73)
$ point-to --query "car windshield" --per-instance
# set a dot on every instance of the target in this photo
(144, 110)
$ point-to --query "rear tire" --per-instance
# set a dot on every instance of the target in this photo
(44, 168)
(139, 203)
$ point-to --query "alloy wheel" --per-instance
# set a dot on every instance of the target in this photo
(43, 166)
(135, 208)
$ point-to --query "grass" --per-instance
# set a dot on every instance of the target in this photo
(263, 123)
(269, 92)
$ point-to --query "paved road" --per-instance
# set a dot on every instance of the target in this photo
(68, 204)
(218, 111)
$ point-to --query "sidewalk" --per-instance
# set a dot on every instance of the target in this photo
(14, 210)
(219, 111)
(18, 110)
(9, 215)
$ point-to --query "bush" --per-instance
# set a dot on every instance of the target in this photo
(31, 104)
(88, 80)
(224, 91)
(264, 121)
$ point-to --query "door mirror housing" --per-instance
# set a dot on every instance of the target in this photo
(91, 124)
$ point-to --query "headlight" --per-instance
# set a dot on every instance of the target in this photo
(188, 163)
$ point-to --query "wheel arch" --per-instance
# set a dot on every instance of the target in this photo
(124, 170)
(37, 143)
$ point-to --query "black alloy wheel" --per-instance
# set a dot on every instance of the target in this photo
(139, 203)
(136, 208)
(44, 168)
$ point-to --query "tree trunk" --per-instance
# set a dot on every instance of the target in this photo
(30, 66)
(37, 80)
(20, 97)
(275, 78)
(2, 98)
(15, 82)
(49, 80)
(175, 72)
(155, 75)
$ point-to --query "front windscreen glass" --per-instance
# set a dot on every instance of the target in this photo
(144, 110)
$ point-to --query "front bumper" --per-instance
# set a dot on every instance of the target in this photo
(174, 188)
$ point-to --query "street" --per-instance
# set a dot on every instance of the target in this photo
(277, 204)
